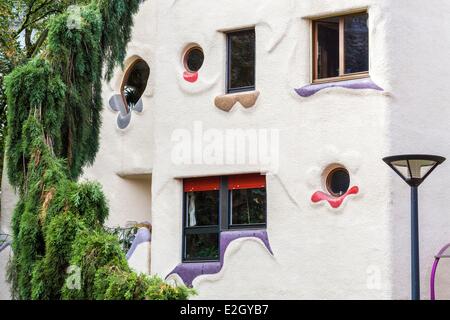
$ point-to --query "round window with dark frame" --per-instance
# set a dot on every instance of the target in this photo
(135, 82)
(193, 59)
(338, 181)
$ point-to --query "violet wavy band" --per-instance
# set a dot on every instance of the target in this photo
(143, 235)
(434, 270)
(189, 271)
(364, 83)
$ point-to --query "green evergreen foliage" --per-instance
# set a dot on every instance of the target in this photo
(54, 105)
(23, 25)
(28, 239)
(49, 273)
(93, 250)
(117, 24)
(33, 88)
(160, 290)
(75, 53)
(112, 283)
(85, 200)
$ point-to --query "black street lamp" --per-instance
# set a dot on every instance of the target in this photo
(414, 169)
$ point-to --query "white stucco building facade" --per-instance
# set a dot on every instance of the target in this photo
(358, 248)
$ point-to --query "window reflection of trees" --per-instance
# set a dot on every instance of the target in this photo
(356, 44)
(248, 206)
(135, 83)
(204, 246)
(203, 208)
(242, 59)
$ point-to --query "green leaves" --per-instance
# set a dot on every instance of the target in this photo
(93, 250)
(49, 273)
(112, 283)
(117, 26)
(32, 89)
(54, 104)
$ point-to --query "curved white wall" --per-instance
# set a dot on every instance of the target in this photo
(124, 163)
(318, 252)
(360, 250)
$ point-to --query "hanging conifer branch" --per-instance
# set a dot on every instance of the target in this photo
(54, 120)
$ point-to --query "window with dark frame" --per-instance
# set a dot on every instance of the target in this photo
(216, 204)
(341, 47)
(201, 219)
(338, 181)
(134, 83)
(193, 59)
(241, 61)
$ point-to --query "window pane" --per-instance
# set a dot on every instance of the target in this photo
(248, 206)
(202, 208)
(194, 59)
(356, 36)
(338, 182)
(241, 59)
(202, 246)
(328, 48)
(136, 83)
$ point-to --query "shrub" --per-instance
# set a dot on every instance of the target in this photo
(93, 250)
(54, 106)
(85, 200)
(112, 283)
(160, 290)
(50, 273)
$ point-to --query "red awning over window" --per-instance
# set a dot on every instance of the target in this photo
(246, 181)
(201, 184)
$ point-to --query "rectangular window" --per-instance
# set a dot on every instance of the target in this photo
(341, 47)
(220, 203)
(201, 222)
(247, 197)
(241, 61)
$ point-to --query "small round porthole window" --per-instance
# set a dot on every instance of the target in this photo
(338, 181)
(135, 82)
(193, 59)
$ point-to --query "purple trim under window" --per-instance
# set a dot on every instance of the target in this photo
(364, 83)
(143, 235)
(189, 271)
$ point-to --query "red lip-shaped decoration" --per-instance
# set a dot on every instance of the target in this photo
(190, 76)
(335, 202)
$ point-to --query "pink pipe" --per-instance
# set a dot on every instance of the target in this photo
(434, 269)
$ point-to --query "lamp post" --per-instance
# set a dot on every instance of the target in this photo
(414, 169)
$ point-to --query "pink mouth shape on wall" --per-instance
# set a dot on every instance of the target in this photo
(190, 76)
(335, 202)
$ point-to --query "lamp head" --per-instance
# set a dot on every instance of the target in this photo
(413, 168)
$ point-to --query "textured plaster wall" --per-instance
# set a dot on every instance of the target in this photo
(4, 286)
(140, 259)
(124, 163)
(360, 250)
(318, 252)
(9, 199)
(419, 123)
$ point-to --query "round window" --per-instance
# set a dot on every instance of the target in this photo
(135, 82)
(338, 182)
(193, 59)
